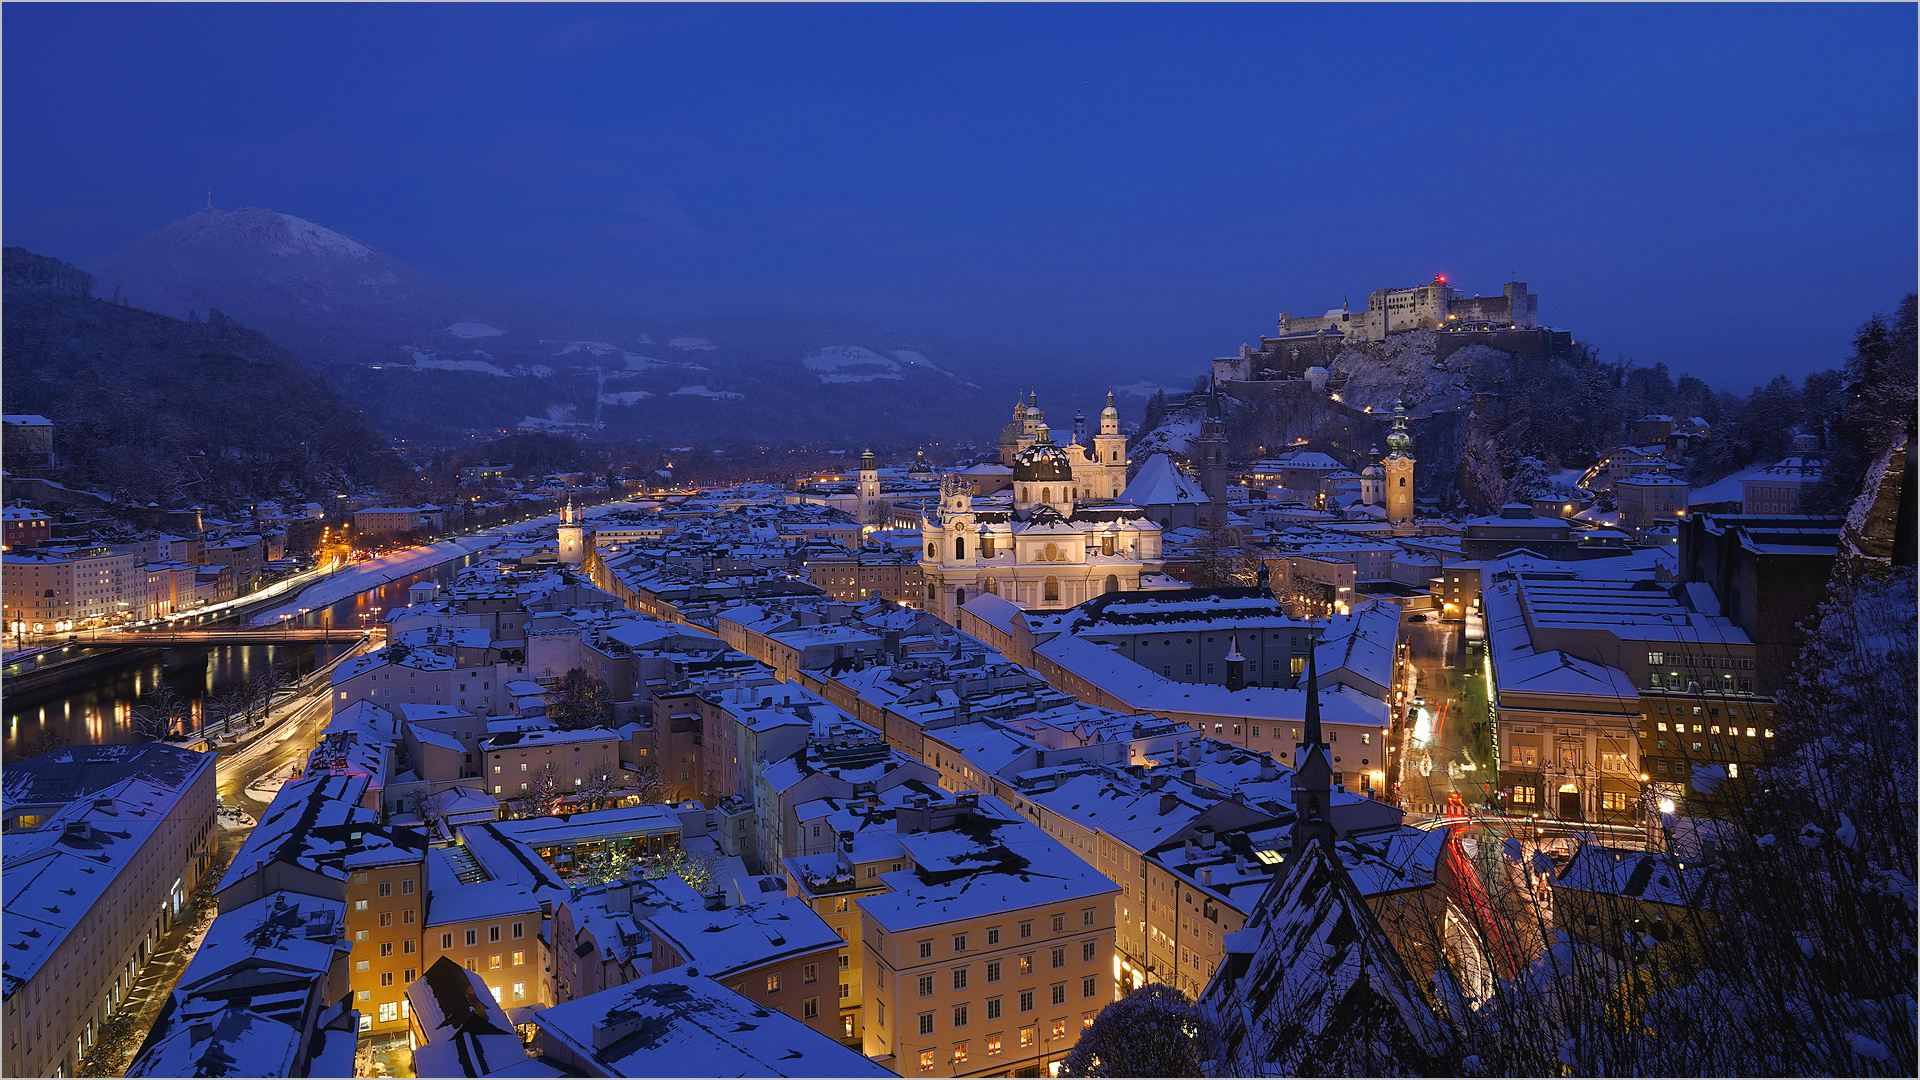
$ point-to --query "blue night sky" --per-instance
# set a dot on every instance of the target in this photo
(1729, 189)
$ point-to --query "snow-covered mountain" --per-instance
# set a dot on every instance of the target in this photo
(424, 357)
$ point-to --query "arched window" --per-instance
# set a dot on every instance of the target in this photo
(1053, 588)
(931, 594)
(1046, 495)
(959, 597)
(930, 549)
(1113, 583)
(1026, 494)
(1403, 481)
(959, 547)
(1114, 456)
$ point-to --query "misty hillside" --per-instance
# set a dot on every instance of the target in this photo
(426, 358)
(150, 408)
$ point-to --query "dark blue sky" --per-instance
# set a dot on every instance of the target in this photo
(1728, 189)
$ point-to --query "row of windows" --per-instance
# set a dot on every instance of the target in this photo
(1056, 959)
(996, 1043)
(493, 934)
(1088, 916)
(961, 1015)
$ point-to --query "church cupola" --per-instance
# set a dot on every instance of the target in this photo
(1043, 476)
(1399, 443)
(1110, 416)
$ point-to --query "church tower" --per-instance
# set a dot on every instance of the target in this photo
(1398, 466)
(1373, 480)
(869, 490)
(1211, 447)
(1036, 422)
(1110, 452)
(1312, 776)
(573, 537)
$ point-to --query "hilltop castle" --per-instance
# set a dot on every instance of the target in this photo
(1509, 322)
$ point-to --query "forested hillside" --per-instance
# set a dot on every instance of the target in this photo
(148, 408)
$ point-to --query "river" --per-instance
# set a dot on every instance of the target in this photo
(98, 712)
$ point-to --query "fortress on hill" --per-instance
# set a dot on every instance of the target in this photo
(1509, 322)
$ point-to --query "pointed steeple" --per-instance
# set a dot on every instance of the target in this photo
(1312, 775)
(1313, 734)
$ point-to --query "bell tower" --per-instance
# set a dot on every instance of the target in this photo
(1110, 453)
(573, 537)
(1398, 466)
(1212, 450)
(869, 490)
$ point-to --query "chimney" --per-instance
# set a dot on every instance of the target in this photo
(1206, 876)
(1204, 834)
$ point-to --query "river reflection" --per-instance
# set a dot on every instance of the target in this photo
(100, 710)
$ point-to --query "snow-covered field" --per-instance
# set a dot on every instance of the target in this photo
(702, 391)
(625, 397)
(435, 362)
(473, 330)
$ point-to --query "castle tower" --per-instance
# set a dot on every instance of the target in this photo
(573, 537)
(869, 490)
(1110, 451)
(1236, 665)
(1212, 450)
(1079, 428)
(1398, 467)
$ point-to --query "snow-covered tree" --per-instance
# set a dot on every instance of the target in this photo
(1153, 1031)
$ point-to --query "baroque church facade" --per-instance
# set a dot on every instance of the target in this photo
(1055, 537)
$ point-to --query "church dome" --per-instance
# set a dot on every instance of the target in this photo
(1043, 462)
(1373, 472)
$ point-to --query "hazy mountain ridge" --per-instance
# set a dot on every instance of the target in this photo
(152, 408)
(426, 358)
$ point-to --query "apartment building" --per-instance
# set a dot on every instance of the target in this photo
(103, 846)
(978, 968)
(777, 954)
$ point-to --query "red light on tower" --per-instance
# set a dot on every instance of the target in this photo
(1441, 278)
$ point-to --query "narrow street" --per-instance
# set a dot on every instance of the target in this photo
(1440, 746)
(279, 746)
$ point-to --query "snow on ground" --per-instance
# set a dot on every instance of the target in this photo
(374, 573)
(1726, 489)
(870, 365)
(598, 349)
(434, 362)
(473, 330)
(540, 371)
(1176, 434)
(692, 343)
(625, 397)
(914, 359)
(702, 391)
(314, 237)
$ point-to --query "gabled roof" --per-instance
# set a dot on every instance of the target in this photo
(1313, 986)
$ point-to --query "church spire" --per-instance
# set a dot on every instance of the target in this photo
(1312, 776)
